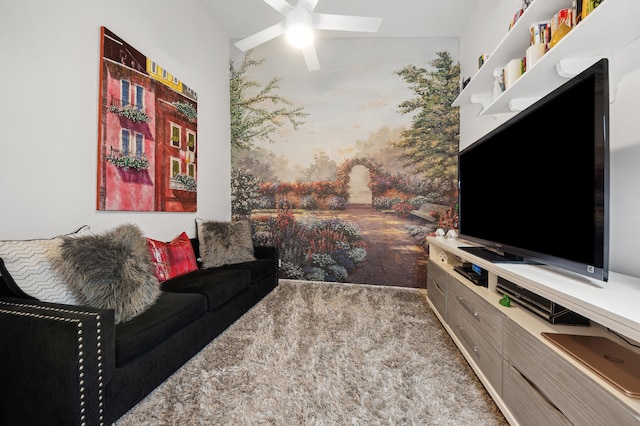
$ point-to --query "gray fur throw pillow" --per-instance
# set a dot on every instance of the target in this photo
(223, 243)
(111, 271)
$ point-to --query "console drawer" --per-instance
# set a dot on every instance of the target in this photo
(484, 319)
(477, 345)
(525, 402)
(437, 272)
(437, 290)
(580, 399)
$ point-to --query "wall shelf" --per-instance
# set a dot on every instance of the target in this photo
(589, 41)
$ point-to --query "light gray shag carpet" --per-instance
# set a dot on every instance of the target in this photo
(325, 354)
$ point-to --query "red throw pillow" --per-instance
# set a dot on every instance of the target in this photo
(172, 259)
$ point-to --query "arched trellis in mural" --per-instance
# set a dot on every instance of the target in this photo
(387, 190)
(376, 175)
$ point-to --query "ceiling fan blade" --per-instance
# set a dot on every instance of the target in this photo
(280, 5)
(308, 4)
(311, 58)
(324, 21)
(260, 37)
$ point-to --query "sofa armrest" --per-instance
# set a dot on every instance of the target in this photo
(269, 252)
(265, 252)
(56, 360)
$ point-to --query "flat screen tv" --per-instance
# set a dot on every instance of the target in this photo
(536, 188)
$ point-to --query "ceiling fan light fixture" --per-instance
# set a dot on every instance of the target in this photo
(299, 36)
(299, 24)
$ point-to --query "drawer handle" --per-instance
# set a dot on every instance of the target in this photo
(475, 313)
(539, 391)
(463, 336)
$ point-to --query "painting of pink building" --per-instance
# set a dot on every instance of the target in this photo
(147, 157)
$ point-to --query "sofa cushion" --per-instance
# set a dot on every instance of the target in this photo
(30, 269)
(222, 243)
(172, 259)
(112, 270)
(258, 269)
(218, 285)
(170, 314)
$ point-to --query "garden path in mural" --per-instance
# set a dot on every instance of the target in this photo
(393, 257)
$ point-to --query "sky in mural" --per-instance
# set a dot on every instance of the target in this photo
(355, 93)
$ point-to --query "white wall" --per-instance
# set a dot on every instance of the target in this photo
(49, 68)
(624, 247)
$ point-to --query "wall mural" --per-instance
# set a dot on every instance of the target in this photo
(147, 132)
(348, 168)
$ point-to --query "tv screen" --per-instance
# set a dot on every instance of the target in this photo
(537, 186)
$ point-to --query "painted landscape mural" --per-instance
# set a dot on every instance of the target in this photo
(347, 169)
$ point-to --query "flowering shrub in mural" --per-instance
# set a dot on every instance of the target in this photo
(304, 195)
(449, 220)
(385, 203)
(390, 192)
(308, 202)
(244, 193)
(403, 208)
(266, 202)
(419, 234)
(311, 248)
(337, 203)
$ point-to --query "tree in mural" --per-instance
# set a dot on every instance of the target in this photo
(262, 163)
(431, 144)
(257, 111)
(322, 168)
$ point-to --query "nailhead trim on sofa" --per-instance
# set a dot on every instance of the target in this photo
(81, 360)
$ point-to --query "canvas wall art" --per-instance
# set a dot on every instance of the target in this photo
(147, 133)
(348, 168)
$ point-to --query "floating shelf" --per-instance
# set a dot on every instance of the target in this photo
(609, 28)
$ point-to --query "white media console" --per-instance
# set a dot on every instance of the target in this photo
(533, 381)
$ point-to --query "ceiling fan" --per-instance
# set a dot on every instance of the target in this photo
(299, 23)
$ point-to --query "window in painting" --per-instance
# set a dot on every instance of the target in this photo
(125, 141)
(125, 86)
(175, 166)
(191, 170)
(191, 141)
(176, 132)
(139, 97)
(139, 145)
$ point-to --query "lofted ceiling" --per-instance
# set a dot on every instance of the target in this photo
(400, 18)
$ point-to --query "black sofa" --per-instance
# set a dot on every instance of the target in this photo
(71, 365)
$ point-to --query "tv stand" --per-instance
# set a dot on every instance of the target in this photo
(494, 257)
(532, 380)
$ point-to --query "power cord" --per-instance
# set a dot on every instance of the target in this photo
(623, 338)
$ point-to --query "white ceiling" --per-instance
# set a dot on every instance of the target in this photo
(400, 18)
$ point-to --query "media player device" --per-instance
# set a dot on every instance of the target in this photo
(544, 308)
(473, 273)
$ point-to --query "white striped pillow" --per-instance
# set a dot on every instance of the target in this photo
(31, 268)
